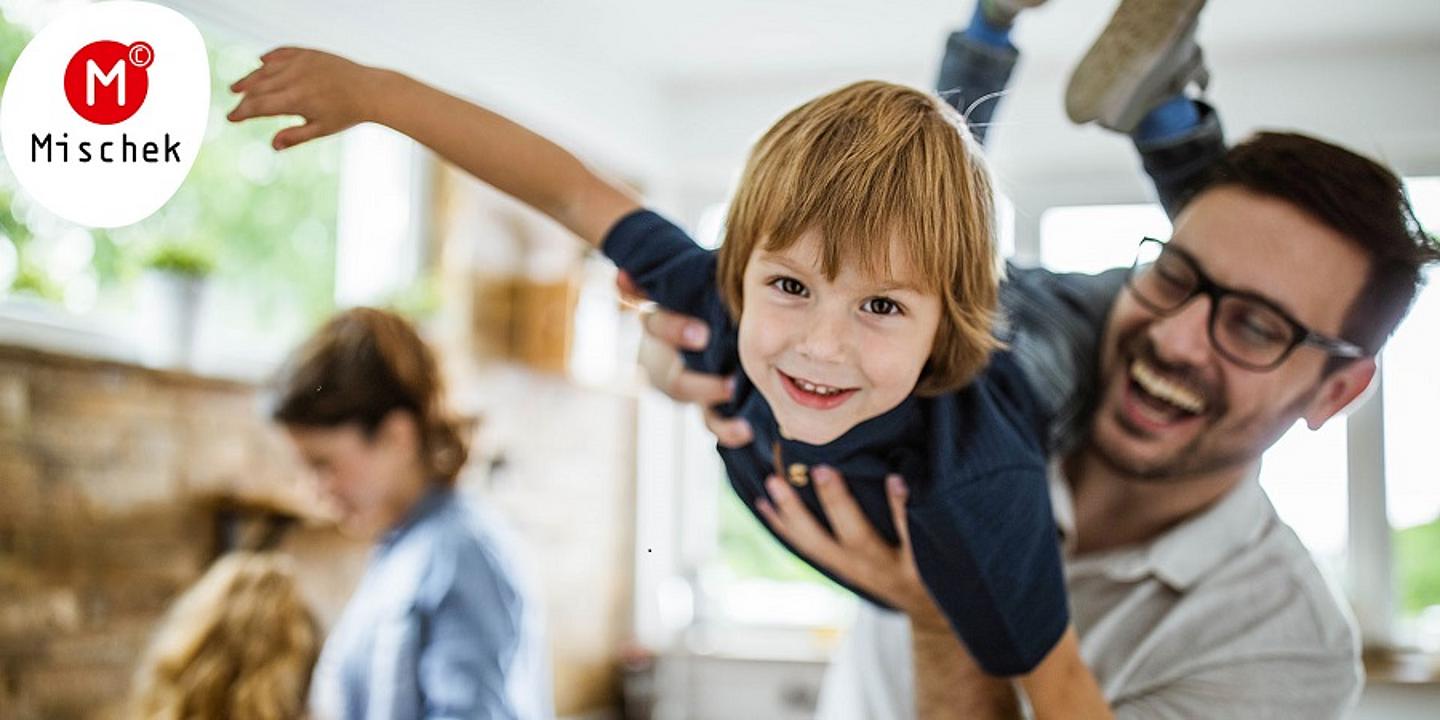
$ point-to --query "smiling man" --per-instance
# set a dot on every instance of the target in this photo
(1284, 276)
(1292, 260)
(1192, 599)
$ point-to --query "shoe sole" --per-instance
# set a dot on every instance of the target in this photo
(1121, 62)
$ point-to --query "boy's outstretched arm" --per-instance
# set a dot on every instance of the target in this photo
(332, 94)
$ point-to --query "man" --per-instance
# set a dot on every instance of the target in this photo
(1291, 262)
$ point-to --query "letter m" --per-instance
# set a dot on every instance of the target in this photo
(116, 74)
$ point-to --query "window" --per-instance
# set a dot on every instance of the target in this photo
(1095, 238)
(1412, 483)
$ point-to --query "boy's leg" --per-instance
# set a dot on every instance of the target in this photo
(1134, 80)
(1178, 164)
(979, 60)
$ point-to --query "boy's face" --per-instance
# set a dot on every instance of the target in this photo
(830, 355)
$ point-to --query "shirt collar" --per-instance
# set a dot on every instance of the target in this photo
(897, 426)
(435, 496)
(1180, 556)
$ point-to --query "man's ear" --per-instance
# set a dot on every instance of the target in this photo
(1338, 390)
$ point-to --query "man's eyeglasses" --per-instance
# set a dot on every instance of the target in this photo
(1246, 329)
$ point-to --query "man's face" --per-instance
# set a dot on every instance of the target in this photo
(828, 355)
(1171, 406)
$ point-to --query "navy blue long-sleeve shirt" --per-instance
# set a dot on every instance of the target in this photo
(981, 527)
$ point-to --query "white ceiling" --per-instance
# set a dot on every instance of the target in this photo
(681, 37)
(669, 39)
(673, 91)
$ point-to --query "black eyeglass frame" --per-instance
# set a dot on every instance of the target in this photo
(1204, 285)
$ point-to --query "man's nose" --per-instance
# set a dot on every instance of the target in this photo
(1183, 337)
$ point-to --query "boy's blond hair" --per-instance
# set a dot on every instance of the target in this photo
(240, 643)
(864, 165)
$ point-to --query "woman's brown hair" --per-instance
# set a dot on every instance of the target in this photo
(361, 366)
(240, 643)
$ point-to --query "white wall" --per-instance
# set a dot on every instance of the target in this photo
(1398, 702)
(504, 55)
(1372, 99)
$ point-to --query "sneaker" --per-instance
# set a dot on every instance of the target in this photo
(1145, 56)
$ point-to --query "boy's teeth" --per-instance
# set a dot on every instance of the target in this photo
(817, 389)
(1173, 393)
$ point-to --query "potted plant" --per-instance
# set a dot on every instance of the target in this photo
(172, 295)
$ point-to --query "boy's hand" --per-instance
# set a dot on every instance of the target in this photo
(328, 91)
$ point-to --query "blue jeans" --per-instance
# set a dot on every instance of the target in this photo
(973, 73)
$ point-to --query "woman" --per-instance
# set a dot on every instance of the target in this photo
(440, 625)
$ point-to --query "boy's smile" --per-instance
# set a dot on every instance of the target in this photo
(830, 353)
(815, 395)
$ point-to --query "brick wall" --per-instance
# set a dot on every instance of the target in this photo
(103, 471)
(105, 475)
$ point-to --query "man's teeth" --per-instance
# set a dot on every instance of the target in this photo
(1173, 393)
(817, 389)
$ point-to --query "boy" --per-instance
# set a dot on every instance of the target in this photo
(855, 291)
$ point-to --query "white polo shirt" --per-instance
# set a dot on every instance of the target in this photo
(1222, 616)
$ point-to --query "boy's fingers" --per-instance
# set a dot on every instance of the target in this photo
(245, 110)
(258, 85)
(678, 331)
(266, 70)
(729, 432)
(277, 54)
(850, 525)
(243, 83)
(292, 136)
(254, 106)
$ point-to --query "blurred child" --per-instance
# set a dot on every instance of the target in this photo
(240, 643)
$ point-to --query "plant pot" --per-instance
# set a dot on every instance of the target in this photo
(170, 308)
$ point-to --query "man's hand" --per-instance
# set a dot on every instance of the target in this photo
(666, 335)
(328, 91)
(855, 551)
(948, 682)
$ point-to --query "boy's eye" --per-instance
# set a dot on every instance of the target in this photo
(789, 286)
(882, 306)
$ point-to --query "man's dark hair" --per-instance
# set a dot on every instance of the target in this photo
(1356, 197)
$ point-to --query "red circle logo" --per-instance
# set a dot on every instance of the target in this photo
(106, 81)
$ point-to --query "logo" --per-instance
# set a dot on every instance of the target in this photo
(105, 110)
(121, 87)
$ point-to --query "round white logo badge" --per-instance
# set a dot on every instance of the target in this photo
(105, 110)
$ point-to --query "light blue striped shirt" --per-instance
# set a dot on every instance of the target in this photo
(440, 627)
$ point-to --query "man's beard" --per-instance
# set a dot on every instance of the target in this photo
(1195, 458)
